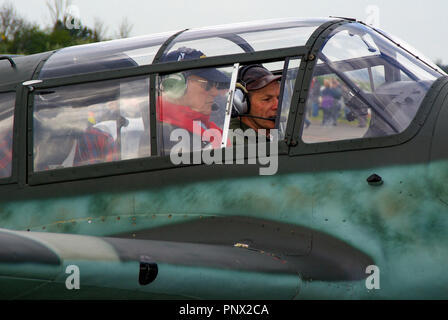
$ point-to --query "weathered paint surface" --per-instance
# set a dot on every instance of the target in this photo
(179, 282)
(401, 224)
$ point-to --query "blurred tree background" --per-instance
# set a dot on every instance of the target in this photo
(19, 36)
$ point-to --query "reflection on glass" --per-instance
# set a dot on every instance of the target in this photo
(275, 39)
(411, 49)
(91, 123)
(7, 101)
(345, 45)
(105, 55)
(193, 101)
(363, 85)
(248, 37)
(211, 46)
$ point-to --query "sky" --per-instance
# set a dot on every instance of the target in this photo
(422, 24)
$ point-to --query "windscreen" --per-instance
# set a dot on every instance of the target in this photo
(364, 85)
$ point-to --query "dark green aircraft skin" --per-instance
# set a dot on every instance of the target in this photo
(222, 231)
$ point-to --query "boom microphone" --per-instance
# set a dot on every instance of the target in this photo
(251, 116)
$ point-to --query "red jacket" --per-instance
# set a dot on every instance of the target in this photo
(183, 117)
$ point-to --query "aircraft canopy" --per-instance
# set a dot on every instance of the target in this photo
(212, 41)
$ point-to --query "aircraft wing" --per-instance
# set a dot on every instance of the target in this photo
(64, 266)
(46, 265)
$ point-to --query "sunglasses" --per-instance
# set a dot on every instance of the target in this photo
(208, 85)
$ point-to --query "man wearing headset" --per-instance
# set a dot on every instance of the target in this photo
(256, 99)
(187, 98)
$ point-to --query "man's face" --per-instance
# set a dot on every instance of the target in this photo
(263, 103)
(197, 97)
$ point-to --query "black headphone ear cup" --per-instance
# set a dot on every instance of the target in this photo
(240, 103)
(174, 85)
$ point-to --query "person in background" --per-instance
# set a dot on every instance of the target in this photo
(315, 95)
(327, 102)
(337, 94)
(6, 154)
